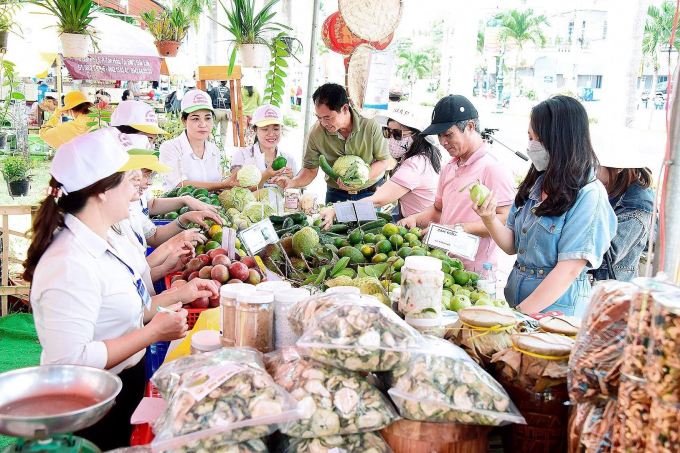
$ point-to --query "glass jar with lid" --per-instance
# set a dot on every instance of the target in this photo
(228, 294)
(283, 302)
(255, 320)
(422, 282)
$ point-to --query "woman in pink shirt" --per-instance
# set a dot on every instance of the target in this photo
(414, 180)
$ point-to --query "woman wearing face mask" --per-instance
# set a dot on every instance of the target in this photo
(267, 125)
(561, 222)
(414, 180)
(193, 158)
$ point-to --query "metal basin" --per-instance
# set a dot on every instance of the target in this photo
(53, 399)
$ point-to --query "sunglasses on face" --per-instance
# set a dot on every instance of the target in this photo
(397, 134)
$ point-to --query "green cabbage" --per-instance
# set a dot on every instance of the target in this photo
(249, 176)
(257, 211)
(238, 198)
(352, 169)
(241, 222)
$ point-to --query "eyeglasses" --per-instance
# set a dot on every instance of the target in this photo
(397, 134)
(268, 131)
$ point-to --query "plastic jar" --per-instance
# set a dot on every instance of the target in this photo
(228, 294)
(273, 287)
(205, 341)
(255, 320)
(427, 326)
(395, 298)
(292, 201)
(422, 282)
(343, 290)
(308, 203)
(283, 302)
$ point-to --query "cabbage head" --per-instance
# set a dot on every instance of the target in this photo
(257, 211)
(249, 176)
(238, 198)
(352, 170)
(241, 222)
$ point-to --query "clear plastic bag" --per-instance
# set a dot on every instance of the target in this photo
(250, 446)
(663, 364)
(595, 362)
(632, 416)
(443, 384)
(637, 334)
(227, 398)
(591, 427)
(365, 443)
(363, 335)
(664, 432)
(303, 313)
(335, 401)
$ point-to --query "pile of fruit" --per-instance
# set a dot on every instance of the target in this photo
(199, 194)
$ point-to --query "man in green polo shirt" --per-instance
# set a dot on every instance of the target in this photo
(341, 132)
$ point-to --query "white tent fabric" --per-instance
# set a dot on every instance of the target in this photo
(36, 49)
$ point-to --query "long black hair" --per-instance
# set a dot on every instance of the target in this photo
(249, 88)
(420, 146)
(561, 124)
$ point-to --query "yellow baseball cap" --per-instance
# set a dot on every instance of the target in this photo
(73, 99)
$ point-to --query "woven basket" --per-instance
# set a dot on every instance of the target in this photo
(371, 20)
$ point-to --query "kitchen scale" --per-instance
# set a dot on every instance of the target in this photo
(44, 405)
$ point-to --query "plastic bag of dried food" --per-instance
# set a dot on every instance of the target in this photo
(334, 401)
(664, 428)
(303, 312)
(250, 446)
(365, 443)
(483, 331)
(170, 374)
(443, 384)
(595, 363)
(591, 427)
(224, 401)
(632, 416)
(663, 368)
(364, 335)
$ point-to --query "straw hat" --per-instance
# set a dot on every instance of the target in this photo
(371, 20)
(357, 77)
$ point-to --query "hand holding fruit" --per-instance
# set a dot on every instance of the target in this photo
(178, 257)
(197, 205)
(197, 288)
(408, 222)
(283, 182)
(199, 217)
(270, 173)
(487, 210)
(327, 216)
(192, 235)
(169, 327)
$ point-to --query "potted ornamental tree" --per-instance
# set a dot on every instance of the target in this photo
(169, 28)
(16, 171)
(10, 81)
(251, 31)
(74, 18)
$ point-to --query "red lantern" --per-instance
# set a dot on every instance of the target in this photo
(340, 39)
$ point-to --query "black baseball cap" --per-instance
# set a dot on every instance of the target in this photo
(449, 111)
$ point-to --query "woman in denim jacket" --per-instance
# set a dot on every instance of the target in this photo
(561, 222)
(628, 181)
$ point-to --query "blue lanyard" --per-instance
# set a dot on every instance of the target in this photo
(144, 210)
(139, 238)
(139, 284)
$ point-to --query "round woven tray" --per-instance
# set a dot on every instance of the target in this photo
(371, 20)
(357, 76)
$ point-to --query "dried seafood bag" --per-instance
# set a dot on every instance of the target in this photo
(303, 313)
(483, 331)
(536, 360)
(595, 362)
(443, 384)
(370, 442)
(591, 426)
(334, 401)
(364, 335)
(228, 399)
(249, 446)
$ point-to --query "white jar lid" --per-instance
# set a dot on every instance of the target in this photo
(424, 322)
(255, 297)
(291, 296)
(230, 290)
(396, 292)
(206, 340)
(273, 287)
(423, 263)
(343, 290)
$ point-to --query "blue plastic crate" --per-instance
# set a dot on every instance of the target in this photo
(155, 355)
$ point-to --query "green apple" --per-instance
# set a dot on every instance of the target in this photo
(464, 292)
(476, 295)
(501, 303)
(485, 301)
(459, 301)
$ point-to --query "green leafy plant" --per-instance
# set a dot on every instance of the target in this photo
(73, 16)
(247, 27)
(170, 25)
(289, 122)
(16, 168)
(274, 92)
(414, 66)
(100, 117)
(7, 11)
(297, 108)
(10, 82)
(522, 26)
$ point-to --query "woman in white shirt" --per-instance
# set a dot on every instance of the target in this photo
(193, 158)
(267, 124)
(90, 306)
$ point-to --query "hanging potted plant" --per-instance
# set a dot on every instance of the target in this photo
(169, 28)
(250, 31)
(276, 84)
(7, 22)
(16, 171)
(73, 22)
(10, 82)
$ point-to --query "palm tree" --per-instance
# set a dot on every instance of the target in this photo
(657, 36)
(413, 67)
(480, 41)
(194, 8)
(522, 26)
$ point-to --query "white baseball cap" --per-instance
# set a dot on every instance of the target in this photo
(92, 157)
(410, 115)
(622, 147)
(139, 145)
(137, 114)
(196, 100)
(190, 83)
(267, 114)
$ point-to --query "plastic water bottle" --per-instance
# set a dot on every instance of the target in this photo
(487, 280)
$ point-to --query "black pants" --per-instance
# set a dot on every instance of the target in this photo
(114, 430)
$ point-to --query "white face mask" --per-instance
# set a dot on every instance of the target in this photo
(538, 154)
(399, 147)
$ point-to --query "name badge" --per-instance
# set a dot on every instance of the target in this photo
(455, 242)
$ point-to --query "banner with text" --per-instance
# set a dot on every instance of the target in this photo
(114, 67)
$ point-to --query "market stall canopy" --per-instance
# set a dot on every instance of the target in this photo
(37, 48)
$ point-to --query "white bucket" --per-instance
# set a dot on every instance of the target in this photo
(252, 55)
(74, 45)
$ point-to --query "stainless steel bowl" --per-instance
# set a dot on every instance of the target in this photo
(53, 399)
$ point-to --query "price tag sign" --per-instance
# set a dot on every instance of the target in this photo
(229, 242)
(258, 236)
(457, 243)
(353, 211)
